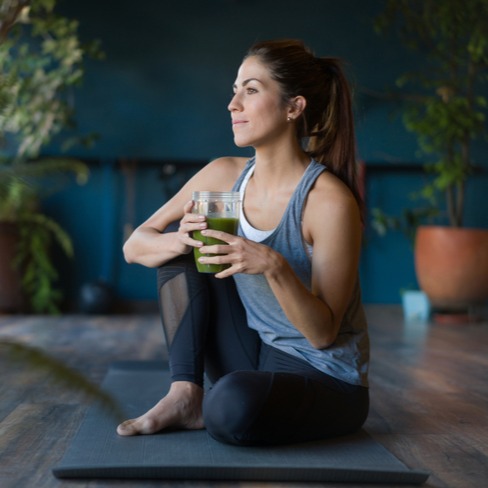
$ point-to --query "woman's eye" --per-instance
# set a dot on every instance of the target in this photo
(248, 91)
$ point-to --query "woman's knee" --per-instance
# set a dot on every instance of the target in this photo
(232, 405)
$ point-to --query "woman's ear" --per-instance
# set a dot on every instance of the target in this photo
(296, 107)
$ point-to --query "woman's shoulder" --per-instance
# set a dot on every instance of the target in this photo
(229, 163)
(220, 173)
(331, 193)
(331, 203)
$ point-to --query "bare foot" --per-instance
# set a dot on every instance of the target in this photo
(181, 408)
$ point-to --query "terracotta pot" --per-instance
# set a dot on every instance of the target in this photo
(11, 299)
(452, 266)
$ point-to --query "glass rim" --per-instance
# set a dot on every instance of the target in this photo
(212, 195)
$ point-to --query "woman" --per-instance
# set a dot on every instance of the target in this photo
(287, 353)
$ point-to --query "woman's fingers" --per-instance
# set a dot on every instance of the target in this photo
(221, 236)
(242, 255)
(191, 225)
(191, 221)
(188, 224)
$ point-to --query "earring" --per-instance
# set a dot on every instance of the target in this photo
(289, 119)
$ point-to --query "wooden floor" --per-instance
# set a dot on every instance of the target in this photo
(429, 395)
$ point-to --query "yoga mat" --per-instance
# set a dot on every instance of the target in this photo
(96, 451)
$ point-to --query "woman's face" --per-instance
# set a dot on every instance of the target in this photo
(257, 110)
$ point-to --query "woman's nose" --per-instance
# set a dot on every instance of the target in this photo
(234, 103)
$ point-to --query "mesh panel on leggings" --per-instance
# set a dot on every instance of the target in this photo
(174, 302)
(183, 302)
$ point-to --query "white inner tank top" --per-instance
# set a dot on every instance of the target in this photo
(248, 230)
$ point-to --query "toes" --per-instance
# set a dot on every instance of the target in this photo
(127, 428)
(144, 425)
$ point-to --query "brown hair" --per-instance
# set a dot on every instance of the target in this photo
(327, 120)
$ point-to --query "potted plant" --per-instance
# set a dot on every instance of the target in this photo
(41, 60)
(445, 107)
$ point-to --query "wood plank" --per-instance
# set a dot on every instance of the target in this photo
(429, 395)
(31, 438)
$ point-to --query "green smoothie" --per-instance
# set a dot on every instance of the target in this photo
(224, 224)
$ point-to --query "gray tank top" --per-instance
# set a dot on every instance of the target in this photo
(348, 358)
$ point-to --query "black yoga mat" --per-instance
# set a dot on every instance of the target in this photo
(96, 451)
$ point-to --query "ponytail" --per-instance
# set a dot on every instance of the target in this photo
(332, 140)
(327, 121)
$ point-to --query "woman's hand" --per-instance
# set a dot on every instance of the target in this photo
(189, 223)
(243, 255)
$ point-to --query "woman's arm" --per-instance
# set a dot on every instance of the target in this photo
(332, 224)
(148, 246)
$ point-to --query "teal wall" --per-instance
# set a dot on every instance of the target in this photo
(158, 103)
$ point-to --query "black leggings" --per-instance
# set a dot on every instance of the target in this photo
(259, 394)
